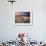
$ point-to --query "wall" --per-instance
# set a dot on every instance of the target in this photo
(9, 31)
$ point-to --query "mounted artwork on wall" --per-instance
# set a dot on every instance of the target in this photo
(23, 17)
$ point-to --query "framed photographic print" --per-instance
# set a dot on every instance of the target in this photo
(23, 17)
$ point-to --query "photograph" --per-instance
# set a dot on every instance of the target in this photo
(23, 18)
